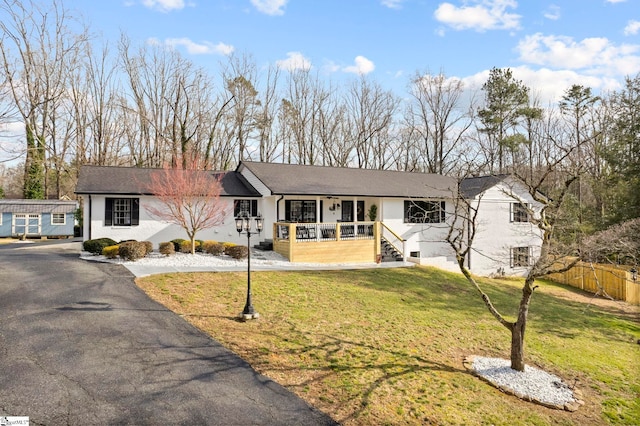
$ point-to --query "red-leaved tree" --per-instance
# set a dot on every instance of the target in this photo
(188, 197)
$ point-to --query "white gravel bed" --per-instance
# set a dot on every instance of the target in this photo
(204, 260)
(532, 384)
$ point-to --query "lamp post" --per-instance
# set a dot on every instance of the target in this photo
(243, 225)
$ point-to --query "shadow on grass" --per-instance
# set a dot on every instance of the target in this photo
(400, 365)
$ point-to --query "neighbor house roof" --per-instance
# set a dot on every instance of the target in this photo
(135, 181)
(37, 206)
(293, 179)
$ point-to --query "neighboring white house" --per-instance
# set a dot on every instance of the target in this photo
(306, 208)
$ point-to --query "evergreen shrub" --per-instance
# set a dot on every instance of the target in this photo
(97, 245)
(167, 248)
(237, 252)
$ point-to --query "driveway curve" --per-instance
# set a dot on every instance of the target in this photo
(81, 344)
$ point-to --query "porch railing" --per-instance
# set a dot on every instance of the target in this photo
(310, 232)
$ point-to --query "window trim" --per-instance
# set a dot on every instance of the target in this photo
(64, 219)
(519, 211)
(287, 211)
(516, 262)
(109, 212)
(253, 207)
(434, 211)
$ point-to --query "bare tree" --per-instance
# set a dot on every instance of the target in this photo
(266, 115)
(553, 253)
(240, 79)
(160, 89)
(370, 115)
(188, 197)
(300, 115)
(439, 120)
(38, 48)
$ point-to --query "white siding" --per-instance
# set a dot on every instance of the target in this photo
(496, 234)
(152, 230)
(428, 239)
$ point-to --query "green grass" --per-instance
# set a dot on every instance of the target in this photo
(385, 346)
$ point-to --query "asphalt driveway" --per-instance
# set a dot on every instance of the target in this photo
(80, 344)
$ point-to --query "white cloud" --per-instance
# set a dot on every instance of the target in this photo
(270, 7)
(164, 5)
(632, 28)
(616, 1)
(193, 48)
(552, 12)
(548, 86)
(295, 61)
(481, 16)
(362, 66)
(392, 4)
(596, 55)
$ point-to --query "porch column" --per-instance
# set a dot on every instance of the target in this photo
(318, 212)
(354, 213)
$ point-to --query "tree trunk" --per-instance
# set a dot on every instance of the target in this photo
(519, 327)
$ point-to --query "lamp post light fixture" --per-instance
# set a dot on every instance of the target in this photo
(243, 226)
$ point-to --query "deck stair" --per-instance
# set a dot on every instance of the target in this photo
(389, 252)
(264, 245)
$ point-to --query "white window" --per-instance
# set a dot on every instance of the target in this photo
(520, 212)
(520, 257)
(58, 218)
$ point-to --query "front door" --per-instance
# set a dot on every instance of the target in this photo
(347, 211)
(26, 224)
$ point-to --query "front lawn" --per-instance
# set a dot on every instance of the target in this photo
(385, 346)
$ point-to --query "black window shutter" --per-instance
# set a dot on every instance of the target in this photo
(108, 212)
(135, 212)
(254, 208)
(287, 210)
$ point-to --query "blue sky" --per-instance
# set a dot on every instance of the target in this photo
(550, 45)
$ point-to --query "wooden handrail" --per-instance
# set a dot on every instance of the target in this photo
(392, 233)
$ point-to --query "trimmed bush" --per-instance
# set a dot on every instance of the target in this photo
(213, 247)
(227, 246)
(167, 248)
(176, 243)
(238, 252)
(148, 246)
(185, 246)
(97, 245)
(199, 248)
(111, 252)
(132, 250)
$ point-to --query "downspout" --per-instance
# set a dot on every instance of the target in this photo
(90, 216)
(278, 208)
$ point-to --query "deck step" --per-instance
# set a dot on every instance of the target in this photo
(265, 245)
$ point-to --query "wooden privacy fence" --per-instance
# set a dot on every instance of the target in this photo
(599, 279)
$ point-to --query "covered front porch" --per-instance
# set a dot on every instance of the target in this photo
(340, 242)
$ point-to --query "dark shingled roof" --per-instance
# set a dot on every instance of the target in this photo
(37, 206)
(474, 186)
(134, 181)
(293, 179)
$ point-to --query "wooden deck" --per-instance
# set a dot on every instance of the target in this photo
(343, 242)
